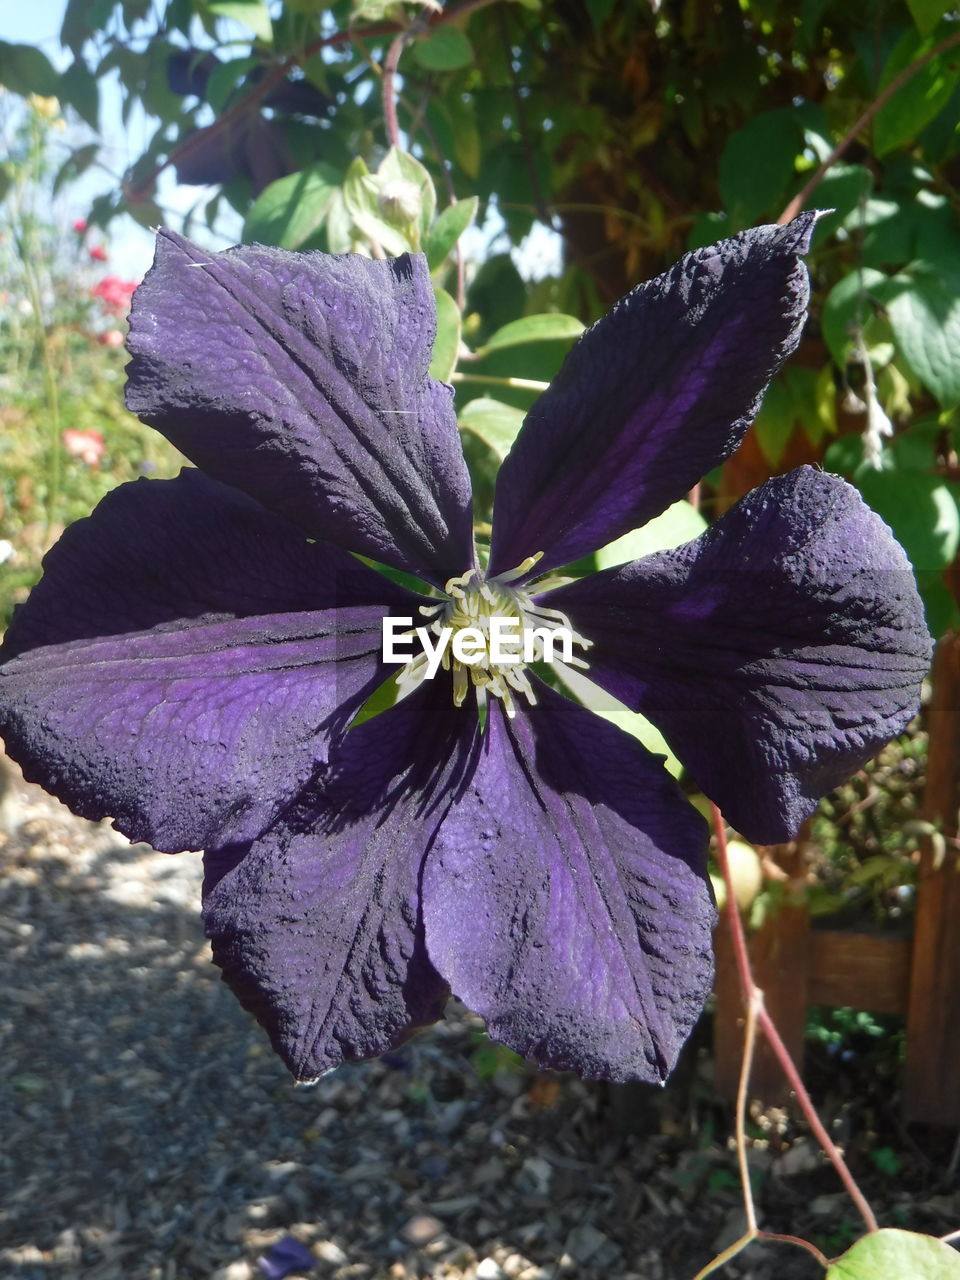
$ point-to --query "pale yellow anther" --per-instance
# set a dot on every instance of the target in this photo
(473, 602)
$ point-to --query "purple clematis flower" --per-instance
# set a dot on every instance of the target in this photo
(192, 660)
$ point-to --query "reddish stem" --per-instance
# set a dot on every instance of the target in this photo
(390, 64)
(144, 188)
(753, 997)
(882, 98)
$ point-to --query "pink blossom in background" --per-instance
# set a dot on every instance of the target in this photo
(114, 293)
(110, 338)
(98, 253)
(80, 226)
(85, 445)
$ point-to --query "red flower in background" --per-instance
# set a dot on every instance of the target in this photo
(114, 293)
(80, 226)
(85, 445)
(98, 253)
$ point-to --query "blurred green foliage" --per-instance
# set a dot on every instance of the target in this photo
(632, 132)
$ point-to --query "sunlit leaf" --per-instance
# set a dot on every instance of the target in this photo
(847, 306)
(446, 345)
(448, 229)
(542, 328)
(916, 102)
(292, 209)
(891, 1253)
(606, 705)
(678, 524)
(496, 423)
(927, 13)
(250, 13)
(922, 511)
(924, 309)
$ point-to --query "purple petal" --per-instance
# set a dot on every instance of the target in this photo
(777, 653)
(301, 378)
(317, 926)
(181, 666)
(659, 391)
(566, 899)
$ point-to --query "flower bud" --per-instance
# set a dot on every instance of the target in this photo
(400, 202)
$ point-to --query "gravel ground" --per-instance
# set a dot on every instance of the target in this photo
(151, 1134)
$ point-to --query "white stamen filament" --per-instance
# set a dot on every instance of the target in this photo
(472, 601)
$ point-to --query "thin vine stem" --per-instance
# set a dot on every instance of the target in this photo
(753, 998)
(882, 98)
(136, 193)
(390, 64)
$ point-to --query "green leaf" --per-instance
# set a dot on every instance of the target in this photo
(924, 310)
(848, 304)
(497, 424)
(757, 165)
(79, 88)
(448, 229)
(843, 189)
(76, 163)
(292, 209)
(600, 11)
(894, 1253)
(226, 77)
(606, 705)
(26, 70)
(915, 103)
(446, 345)
(775, 422)
(814, 400)
(921, 509)
(250, 13)
(927, 13)
(81, 19)
(541, 328)
(678, 524)
(444, 50)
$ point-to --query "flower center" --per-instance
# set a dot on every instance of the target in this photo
(491, 631)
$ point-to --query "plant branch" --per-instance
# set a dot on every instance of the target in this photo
(390, 64)
(882, 98)
(753, 999)
(488, 379)
(136, 193)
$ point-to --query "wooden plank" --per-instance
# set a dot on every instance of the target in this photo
(932, 1080)
(864, 971)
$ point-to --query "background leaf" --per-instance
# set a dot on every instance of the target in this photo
(496, 423)
(292, 209)
(924, 309)
(678, 524)
(25, 70)
(541, 328)
(915, 103)
(891, 1254)
(446, 346)
(444, 50)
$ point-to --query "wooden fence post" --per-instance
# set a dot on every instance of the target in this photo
(932, 1081)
